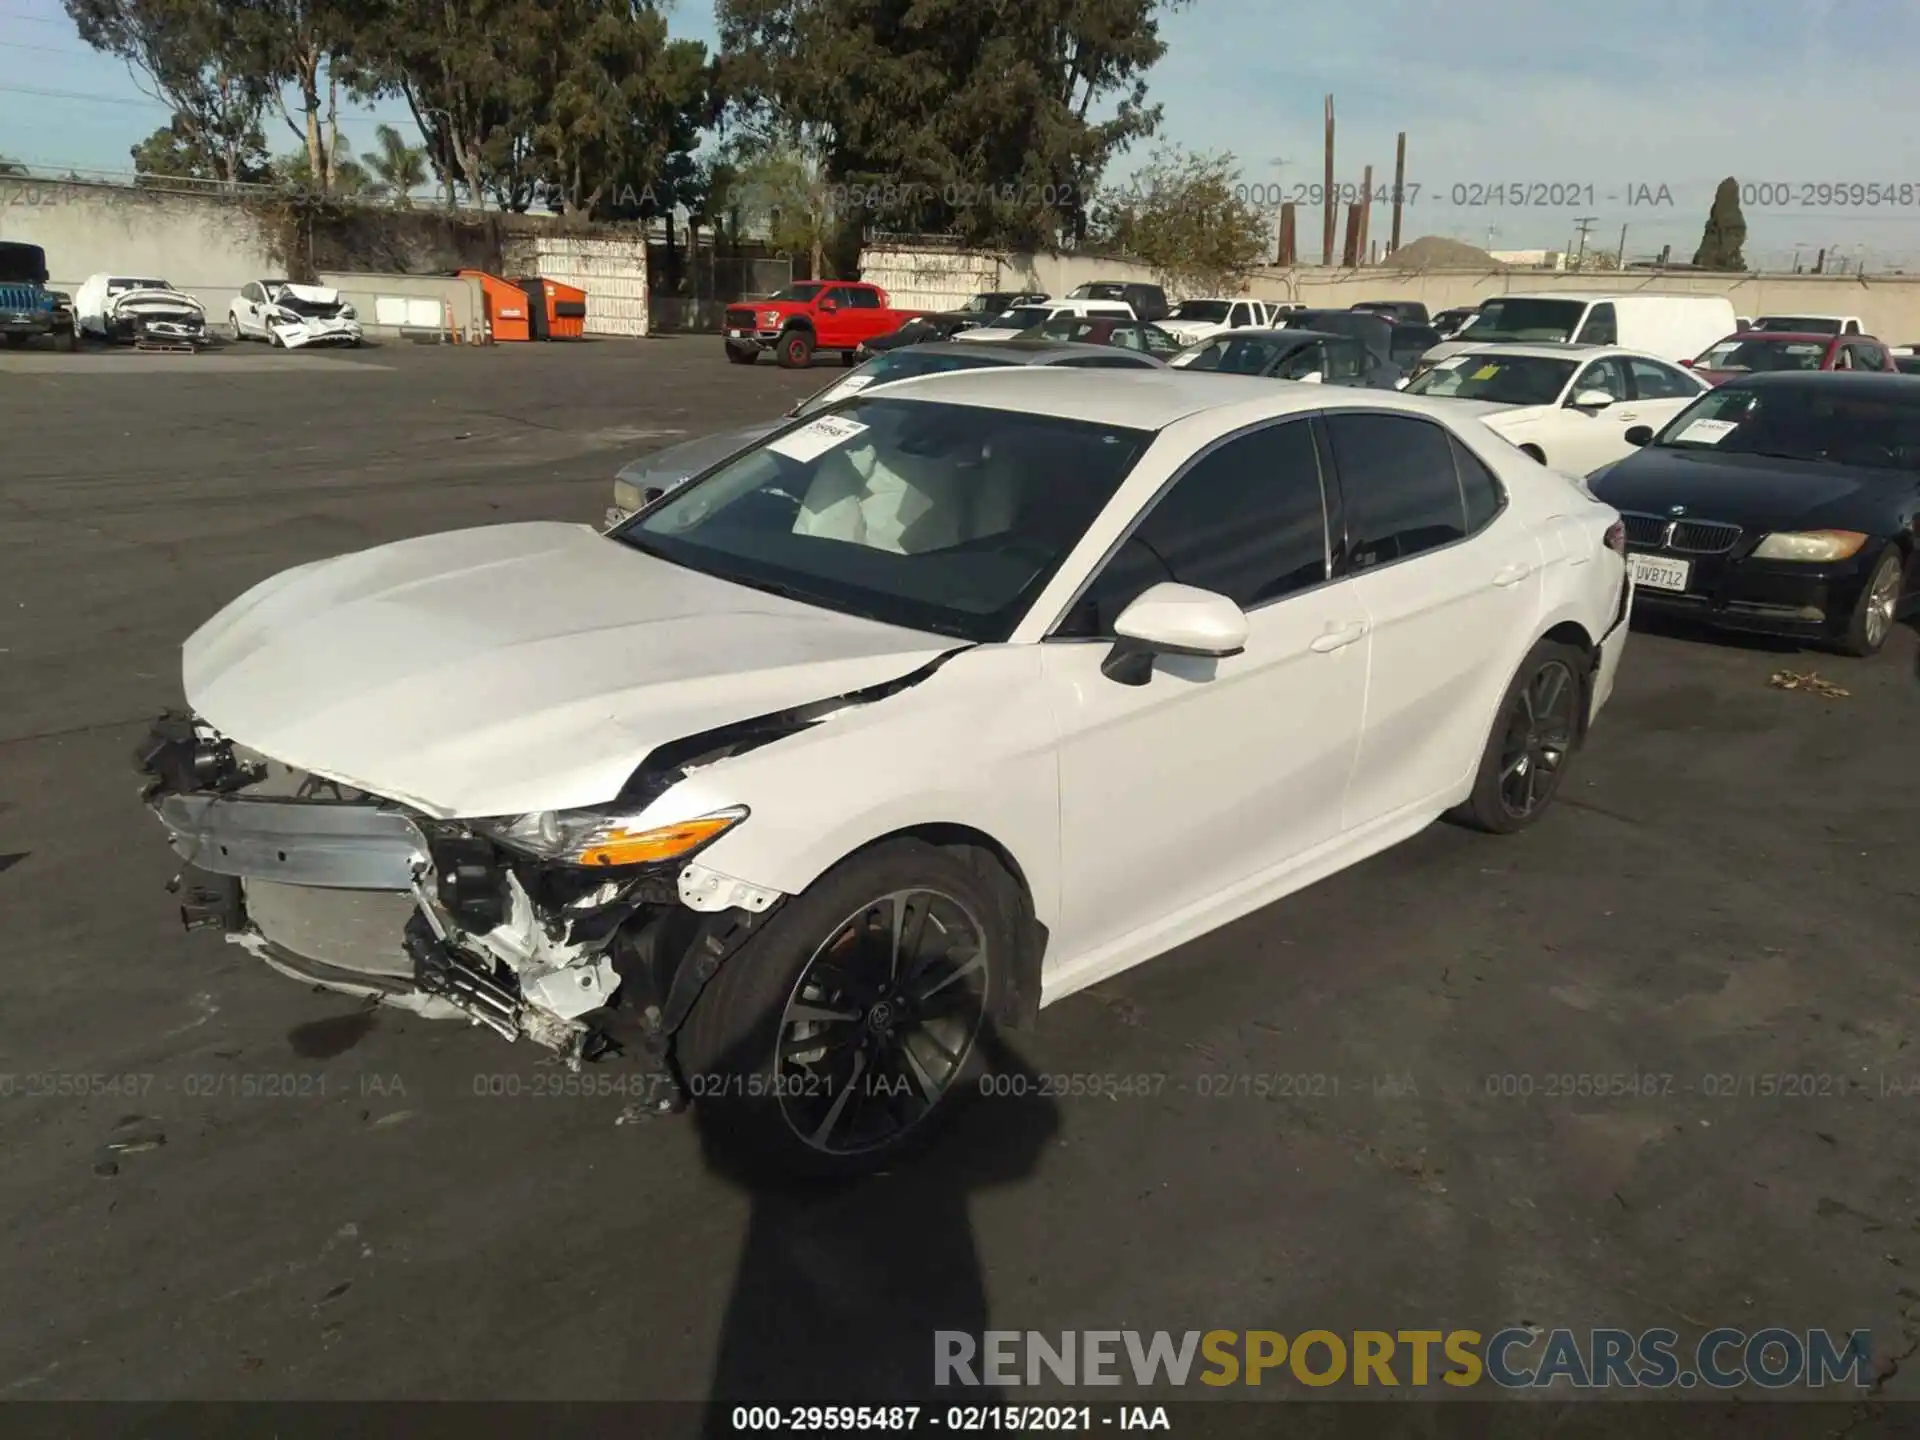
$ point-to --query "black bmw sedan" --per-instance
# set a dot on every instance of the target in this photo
(1781, 502)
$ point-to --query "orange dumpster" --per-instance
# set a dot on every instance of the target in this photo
(508, 306)
(557, 312)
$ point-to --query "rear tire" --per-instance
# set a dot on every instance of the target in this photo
(16, 342)
(796, 350)
(1875, 612)
(893, 1008)
(66, 341)
(1535, 733)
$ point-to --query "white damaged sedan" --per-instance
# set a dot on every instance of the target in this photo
(919, 715)
(290, 316)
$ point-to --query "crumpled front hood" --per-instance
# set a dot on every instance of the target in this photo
(513, 668)
(145, 302)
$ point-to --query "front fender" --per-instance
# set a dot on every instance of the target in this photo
(951, 750)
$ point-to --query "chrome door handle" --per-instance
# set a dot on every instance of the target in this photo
(1338, 638)
(1628, 415)
(1513, 574)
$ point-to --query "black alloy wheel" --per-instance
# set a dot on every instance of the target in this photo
(881, 1022)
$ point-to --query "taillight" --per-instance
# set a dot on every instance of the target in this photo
(1617, 537)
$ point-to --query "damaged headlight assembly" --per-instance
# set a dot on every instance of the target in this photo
(600, 838)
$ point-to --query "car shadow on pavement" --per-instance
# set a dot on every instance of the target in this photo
(1676, 627)
(841, 1285)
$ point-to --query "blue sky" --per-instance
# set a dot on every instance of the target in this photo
(1640, 92)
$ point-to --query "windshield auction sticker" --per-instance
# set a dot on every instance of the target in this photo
(1708, 432)
(813, 440)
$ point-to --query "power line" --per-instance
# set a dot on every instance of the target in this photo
(146, 102)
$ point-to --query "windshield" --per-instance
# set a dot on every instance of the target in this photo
(1764, 355)
(1025, 318)
(802, 293)
(23, 265)
(939, 517)
(1209, 312)
(895, 365)
(121, 287)
(1529, 320)
(1800, 324)
(1239, 354)
(1500, 379)
(1809, 421)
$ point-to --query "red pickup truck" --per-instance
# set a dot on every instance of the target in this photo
(812, 315)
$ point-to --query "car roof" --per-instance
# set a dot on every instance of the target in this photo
(1551, 351)
(1014, 352)
(1248, 331)
(1151, 399)
(1857, 382)
(1809, 336)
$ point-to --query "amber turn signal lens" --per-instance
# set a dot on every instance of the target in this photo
(620, 846)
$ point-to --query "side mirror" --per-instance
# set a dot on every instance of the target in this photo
(1592, 400)
(1401, 383)
(1313, 377)
(1687, 363)
(1639, 434)
(827, 307)
(1171, 619)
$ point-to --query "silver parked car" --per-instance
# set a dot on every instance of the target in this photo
(642, 481)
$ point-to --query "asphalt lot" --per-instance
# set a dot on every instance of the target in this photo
(1726, 894)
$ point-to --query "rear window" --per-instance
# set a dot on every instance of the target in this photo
(1763, 355)
(1800, 324)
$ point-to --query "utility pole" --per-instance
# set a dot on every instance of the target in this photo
(1366, 214)
(1620, 255)
(1326, 229)
(1585, 224)
(1399, 186)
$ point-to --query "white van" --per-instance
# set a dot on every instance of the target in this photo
(1674, 327)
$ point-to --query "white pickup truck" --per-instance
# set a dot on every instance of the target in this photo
(1192, 321)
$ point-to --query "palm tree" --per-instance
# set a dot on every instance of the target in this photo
(397, 166)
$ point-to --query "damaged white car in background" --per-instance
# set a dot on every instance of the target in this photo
(123, 309)
(289, 316)
(928, 709)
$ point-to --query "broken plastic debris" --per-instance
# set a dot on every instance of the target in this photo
(1808, 681)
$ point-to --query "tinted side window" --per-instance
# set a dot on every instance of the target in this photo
(1398, 485)
(1600, 329)
(864, 299)
(1659, 382)
(1346, 360)
(1247, 521)
(1478, 487)
(1869, 357)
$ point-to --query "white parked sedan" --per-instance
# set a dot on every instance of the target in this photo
(924, 713)
(1569, 406)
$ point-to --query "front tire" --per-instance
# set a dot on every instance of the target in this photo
(742, 357)
(796, 350)
(1878, 606)
(833, 1041)
(234, 332)
(1535, 733)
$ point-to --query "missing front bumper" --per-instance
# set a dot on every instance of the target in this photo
(469, 929)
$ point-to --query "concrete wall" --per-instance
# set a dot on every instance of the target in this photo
(613, 272)
(935, 278)
(459, 302)
(203, 245)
